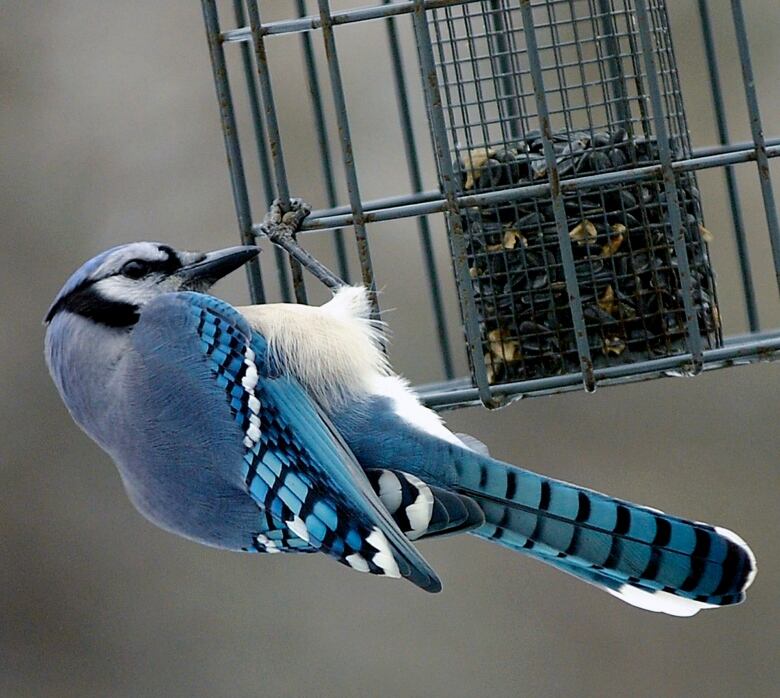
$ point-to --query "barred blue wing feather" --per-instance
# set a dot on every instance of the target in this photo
(278, 538)
(295, 465)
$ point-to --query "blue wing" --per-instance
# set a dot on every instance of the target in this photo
(275, 537)
(295, 465)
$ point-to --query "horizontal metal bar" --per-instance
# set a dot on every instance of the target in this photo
(737, 351)
(424, 203)
(357, 14)
(434, 195)
(731, 147)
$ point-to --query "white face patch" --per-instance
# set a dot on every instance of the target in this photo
(147, 251)
(114, 286)
(120, 289)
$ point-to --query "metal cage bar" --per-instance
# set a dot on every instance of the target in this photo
(415, 176)
(693, 337)
(430, 202)
(569, 270)
(272, 129)
(232, 145)
(751, 307)
(322, 141)
(615, 46)
(261, 144)
(360, 14)
(757, 130)
(454, 223)
(348, 157)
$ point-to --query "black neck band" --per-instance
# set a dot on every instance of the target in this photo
(88, 303)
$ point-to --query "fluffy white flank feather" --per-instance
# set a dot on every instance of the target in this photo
(335, 351)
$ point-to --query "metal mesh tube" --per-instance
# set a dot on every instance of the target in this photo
(569, 280)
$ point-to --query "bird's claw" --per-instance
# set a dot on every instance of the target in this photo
(280, 225)
(282, 222)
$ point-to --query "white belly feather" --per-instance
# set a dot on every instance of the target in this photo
(335, 351)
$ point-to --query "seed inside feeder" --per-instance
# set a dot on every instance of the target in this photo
(623, 251)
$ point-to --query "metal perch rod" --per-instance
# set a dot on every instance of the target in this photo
(280, 225)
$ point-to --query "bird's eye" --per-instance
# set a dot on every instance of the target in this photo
(135, 269)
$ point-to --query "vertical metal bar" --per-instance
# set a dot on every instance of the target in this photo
(322, 141)
(232, 145)
(262, 150)
(567, 256)
(272, 126)
(693, 335)
(412, 161)
(762, 162)
(639, 86)
(433, 104)
(731, 181)
(497, 10)
(337, 89)
(617, 78)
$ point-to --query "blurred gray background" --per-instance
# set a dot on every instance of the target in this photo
(109, 133)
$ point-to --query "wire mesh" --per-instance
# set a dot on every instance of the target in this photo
(566, 177)
(589, 278)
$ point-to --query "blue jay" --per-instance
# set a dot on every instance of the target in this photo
(281, 428)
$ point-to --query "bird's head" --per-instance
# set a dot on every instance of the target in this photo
(112, 288)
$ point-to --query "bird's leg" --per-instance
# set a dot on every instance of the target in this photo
(280, 225)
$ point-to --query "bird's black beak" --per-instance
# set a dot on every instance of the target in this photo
(209, 268)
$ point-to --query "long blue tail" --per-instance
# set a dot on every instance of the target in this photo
(645, 557)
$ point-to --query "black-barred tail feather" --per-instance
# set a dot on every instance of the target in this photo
(645, 557)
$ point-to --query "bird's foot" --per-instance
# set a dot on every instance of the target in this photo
(280, 225)
(282, 222)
